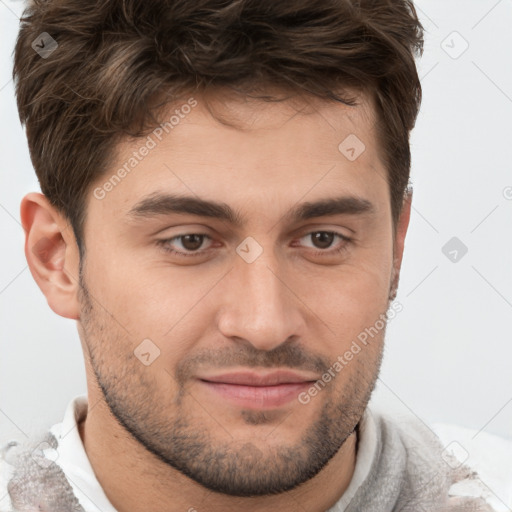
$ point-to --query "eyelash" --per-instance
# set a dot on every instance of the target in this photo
(164, 244)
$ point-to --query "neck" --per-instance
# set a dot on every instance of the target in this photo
(134, 479)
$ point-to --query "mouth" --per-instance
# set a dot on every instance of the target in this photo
(252, 390)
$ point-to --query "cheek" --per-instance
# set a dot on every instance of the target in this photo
(149, 300)
(353, 290)
(349, 303)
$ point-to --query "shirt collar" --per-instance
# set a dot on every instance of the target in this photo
(73, 459)
(366, 453)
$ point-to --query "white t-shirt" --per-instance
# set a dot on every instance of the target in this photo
(381, 441)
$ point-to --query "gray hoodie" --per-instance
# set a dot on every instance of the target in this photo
(401, 466)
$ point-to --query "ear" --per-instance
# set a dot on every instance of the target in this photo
(399, 241)
(52, 254)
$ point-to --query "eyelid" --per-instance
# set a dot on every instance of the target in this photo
(313, 229)
(165, 242)
(345, 240)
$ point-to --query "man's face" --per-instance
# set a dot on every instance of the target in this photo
(209, 358)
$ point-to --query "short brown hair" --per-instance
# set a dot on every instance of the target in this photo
(114, 57)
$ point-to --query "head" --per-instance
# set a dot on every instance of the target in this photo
(275, 137)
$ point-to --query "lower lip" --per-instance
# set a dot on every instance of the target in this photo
(257, 397)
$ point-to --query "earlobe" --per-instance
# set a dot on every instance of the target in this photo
(51, 253)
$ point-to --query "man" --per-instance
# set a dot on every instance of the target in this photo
(224, 211)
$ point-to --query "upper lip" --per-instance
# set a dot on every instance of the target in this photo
(244, 378)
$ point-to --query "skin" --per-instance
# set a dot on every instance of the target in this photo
(157, 437)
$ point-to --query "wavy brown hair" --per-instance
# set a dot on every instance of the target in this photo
(116, 57)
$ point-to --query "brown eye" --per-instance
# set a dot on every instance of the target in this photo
(322, 243)
(323, 239)
(190, 244)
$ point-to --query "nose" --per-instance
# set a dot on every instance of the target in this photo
(259, 305)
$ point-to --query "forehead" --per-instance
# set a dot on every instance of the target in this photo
(250, 151)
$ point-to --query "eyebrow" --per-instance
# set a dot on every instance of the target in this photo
(167, 204)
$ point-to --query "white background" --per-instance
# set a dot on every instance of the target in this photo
(448, 354)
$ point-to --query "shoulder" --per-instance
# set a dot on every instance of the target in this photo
(488, 454)
(27, 472)
(6, 473)
(470, 465)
